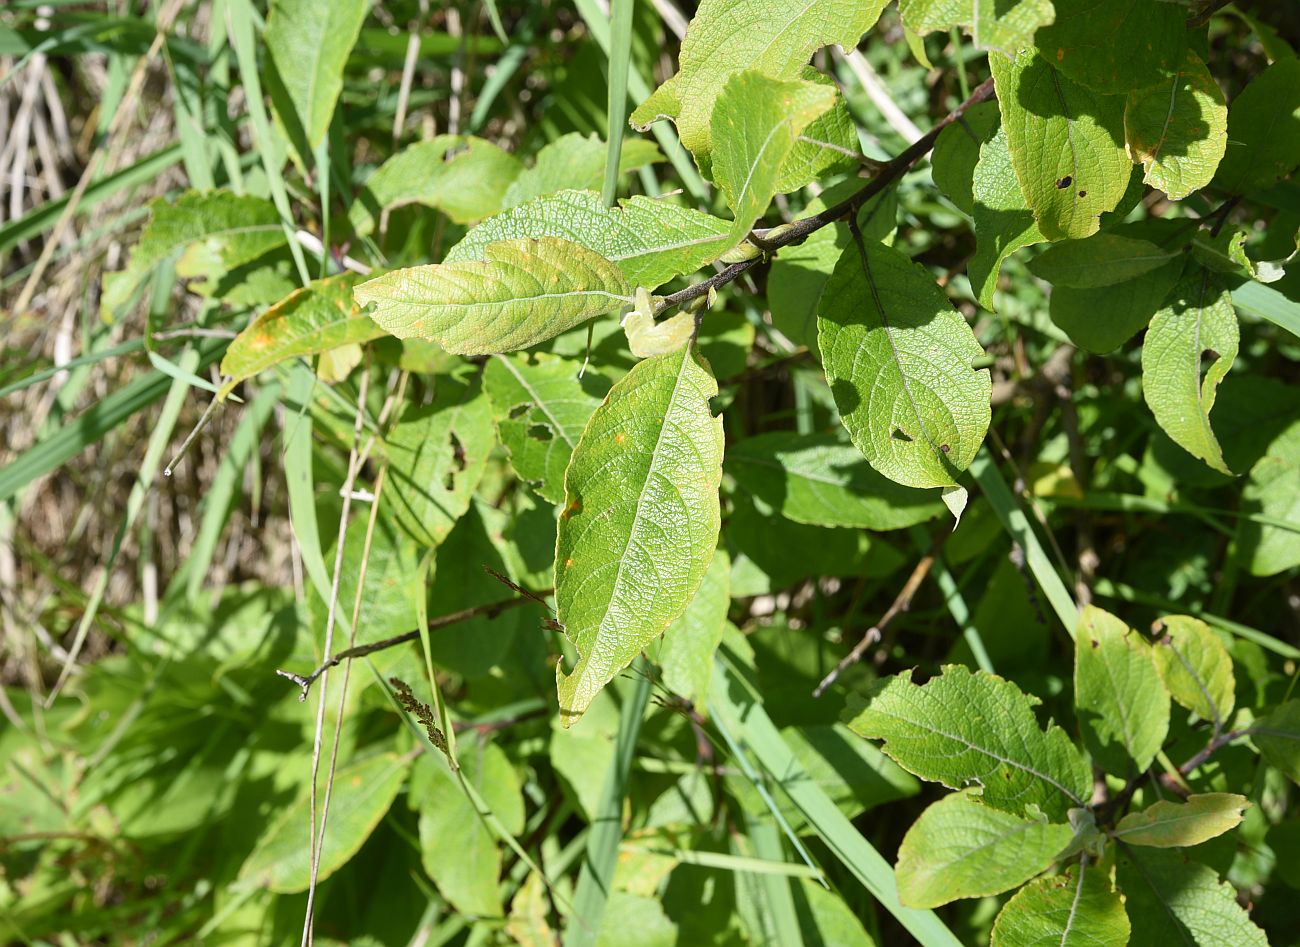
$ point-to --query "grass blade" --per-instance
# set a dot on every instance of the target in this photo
(620, 63)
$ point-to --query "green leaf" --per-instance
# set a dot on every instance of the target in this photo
(1101, 320)
(899, 361)
(820, 480)
(775, 39)
(363, 792)
(1273, 490)
(1196, 667)
(464, 177)
(1199, 320)
(317, 318)
(994, 24)
(1122, 707)
(1003, 221)
(828, 145)
(1177, 129)
(685, 653)
(1100, 260)
(219, 230)
(1172, 899)
(309, 43)
(541, 407)
(1263, 130)
(1277, 735)
(576, 162)
(961, 848)
(957, 151)
(967, 728)
(645, 337)
(524, 292)
(650, 240)
(1076, 908)
(756, 124)
(1067, 144)
(1177, 824)
(457, 849)
(437, 454)
(1112, 46)
(641, 519)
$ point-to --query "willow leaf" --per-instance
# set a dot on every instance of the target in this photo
(524, 292)
(576, 162)
(1003, 221)
(1177, 128)
(899, 361)
(1178, 382)
(1112, 46)
(317, 318)
(1172, 899)
(1196, 667)
(1263, 130)
(1077, 908)
(641, 519)
(775, 38)
(650, 240)
(309, 43)
(1169, 824)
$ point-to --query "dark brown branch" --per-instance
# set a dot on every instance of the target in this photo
(778, 237)
(1211, 8)
(491, 610)
(902, 602)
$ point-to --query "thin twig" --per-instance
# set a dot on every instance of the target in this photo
(902, 602)
(1208, 11)
(491, 610)
(799, 230)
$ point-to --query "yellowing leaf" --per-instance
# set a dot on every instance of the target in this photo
(1196, 667)
(1168, 824)
(645, 337)
(523, 293)
(317, 318)
(899, 361)
(641, 519)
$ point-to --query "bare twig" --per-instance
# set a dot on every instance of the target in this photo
(1207, 11)
(902, 602)
(800, 229)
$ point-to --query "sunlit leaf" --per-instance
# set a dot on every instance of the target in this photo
(1196, 667)
(1169, 824)
(1076, 908)
(1177, 129)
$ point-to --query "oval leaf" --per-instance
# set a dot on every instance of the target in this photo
(1196, 667)
(1100, 260)
(1077, 908)
(1177, 129)
(899, 361)
(1172, 899)
(641, 519)
(1177, 824)
(1263, 130)
(526, 291)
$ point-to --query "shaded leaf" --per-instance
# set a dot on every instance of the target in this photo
(1101, 320)
(827, 145)
(641, 519)
(1123, 708)
(1172, 899)
(1076, 908)
(899, 361)
(994, 24)
(1168, 824)
(964, 728)
(1277, 735)
(650, 240)
(776, 39)
(1273, 490)
(1112, 46)
(317, 318)
(1003, 221)
(957, 151)
(1100, 260)
(820, 480)
(1263, 130)
(1177, 383)
(525, 292)
(575, 162)
(1196, 667)
(1066, 142)
(1177, 129)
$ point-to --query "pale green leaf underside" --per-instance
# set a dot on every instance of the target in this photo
(437, 454)
(364, 791)
(1168, 824)
(1172, 899)
(309, 42)
(822, 481)
(523, 293)
(1003, 221)
(650, 240)
(541, 407)
(1076, 908)
(1177, 129)
(994, 24)
(227, 229)
(756, 126)
(773, 37)
(1177, 384)
(320, 317)
(899, 361)
(576, 162)
(1122, 707)
(641, 519)
(828, 144)
(1100, 260)
(961, 848)
(464, 177)
(1067, 144)
(1196, 667)
(975, 729)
